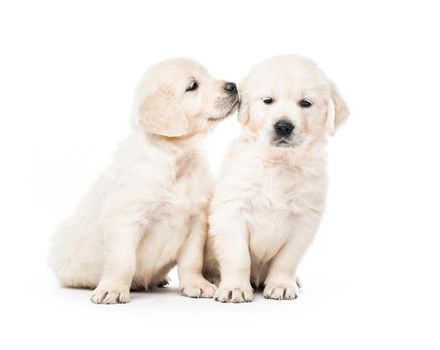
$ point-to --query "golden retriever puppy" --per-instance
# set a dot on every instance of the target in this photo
(148, 211)
(271, 191)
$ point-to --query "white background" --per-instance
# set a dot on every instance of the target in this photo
(371, 280)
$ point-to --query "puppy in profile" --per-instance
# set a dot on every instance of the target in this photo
(148, 211)
(271, 191)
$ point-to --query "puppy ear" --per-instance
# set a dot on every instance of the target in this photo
(337, 110)
(159, 113)
(243, 111)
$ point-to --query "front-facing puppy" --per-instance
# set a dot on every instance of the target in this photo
(147, 212)
(271, 190)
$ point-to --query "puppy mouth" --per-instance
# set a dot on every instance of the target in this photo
(228, 112)
(283, 142)
(293, 141)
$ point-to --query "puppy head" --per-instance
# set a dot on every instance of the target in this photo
(287, 100)
(178, 97)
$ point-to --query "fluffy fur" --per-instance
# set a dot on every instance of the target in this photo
(271, 191)
(148, 211)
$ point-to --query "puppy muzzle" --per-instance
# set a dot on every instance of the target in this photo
(283, 131)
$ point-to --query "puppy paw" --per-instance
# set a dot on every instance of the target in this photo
(198, 288)
(110, 296)
(235, 294)
(281, 291)
(163, 283)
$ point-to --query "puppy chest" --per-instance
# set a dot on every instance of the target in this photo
(183, 197)
(271, 213)
(177, 210)
(268, 229)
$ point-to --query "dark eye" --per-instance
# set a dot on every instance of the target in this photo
(193, 86)
(305, 103)
(268, 100)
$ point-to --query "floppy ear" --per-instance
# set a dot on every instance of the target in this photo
(159, 113)
(243, 111)
(243, 106)
(337, 110)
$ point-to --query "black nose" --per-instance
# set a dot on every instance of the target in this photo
(283, 128)
(231, 87)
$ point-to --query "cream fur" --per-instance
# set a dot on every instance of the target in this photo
(269, 199)
(147, 212)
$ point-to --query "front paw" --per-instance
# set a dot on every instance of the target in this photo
(281, 291)
(234, 293)
(110, 295)
(198, 288)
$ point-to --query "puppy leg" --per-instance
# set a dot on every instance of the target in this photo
(231, 241)
(190, 263)
(120, 244)
(210, 264)
(281, 282)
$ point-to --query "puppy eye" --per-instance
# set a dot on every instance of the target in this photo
(268, 100)
(193, 86)
(305, 103)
